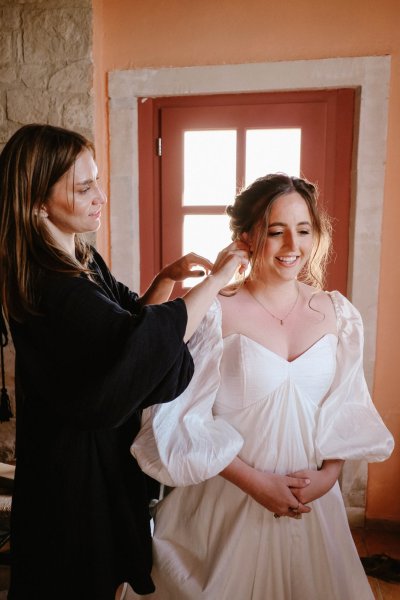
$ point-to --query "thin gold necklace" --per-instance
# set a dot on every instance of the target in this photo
(281, 320)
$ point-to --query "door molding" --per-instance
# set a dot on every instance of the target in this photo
(371, 77)
(369, 74)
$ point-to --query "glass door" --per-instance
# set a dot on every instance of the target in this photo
(211, 147)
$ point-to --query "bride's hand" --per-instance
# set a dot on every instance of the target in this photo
(321, 481)
(277, 493)
(274, 492)
(234, 257)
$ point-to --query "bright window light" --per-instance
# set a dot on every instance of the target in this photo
(206, 235)
(209, 167)
(272, 151)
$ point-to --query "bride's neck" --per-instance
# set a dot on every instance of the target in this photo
(273, 290)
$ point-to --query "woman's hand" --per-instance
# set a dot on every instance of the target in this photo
(274, 492)
(163, 283)
(320, 481)
(183, 268)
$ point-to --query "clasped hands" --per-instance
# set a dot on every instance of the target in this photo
(302, 487)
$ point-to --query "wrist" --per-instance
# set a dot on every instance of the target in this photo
(330, 471)
(214, 281)
(240, 474)
(162, 279)
(332, 466)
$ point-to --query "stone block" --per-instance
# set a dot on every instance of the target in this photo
(56, 112)
(77, 77)
(63, 34)
(10, 18)
(51, 3)
(6, 131)
(78, 112)
(5, 47)
(35, 76)
(19, 47)
(8, 75)
(3, 117)
(27, 106)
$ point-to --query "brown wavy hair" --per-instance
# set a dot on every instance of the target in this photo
(252, 207)
(32, 161)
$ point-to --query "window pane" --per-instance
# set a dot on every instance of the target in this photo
(209, 167)
(206, 235)
(272, 150)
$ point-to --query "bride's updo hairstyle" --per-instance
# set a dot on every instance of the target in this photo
(250, 214)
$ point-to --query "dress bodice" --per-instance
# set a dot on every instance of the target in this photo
(278, 415)
(251, 373)
(276, 399)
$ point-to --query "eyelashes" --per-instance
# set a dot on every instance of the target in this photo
(278, 233)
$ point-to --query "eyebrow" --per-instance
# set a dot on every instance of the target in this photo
(85, 182)
(279, 224)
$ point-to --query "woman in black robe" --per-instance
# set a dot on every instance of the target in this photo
(90, 354)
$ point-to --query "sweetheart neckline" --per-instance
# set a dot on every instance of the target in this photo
(243, 335)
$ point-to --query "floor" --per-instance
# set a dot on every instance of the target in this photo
(372, 540)
(380, 539)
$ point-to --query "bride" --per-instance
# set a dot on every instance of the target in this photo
(254, 447)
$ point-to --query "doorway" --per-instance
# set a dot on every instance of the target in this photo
(368, 75)
(197, 152)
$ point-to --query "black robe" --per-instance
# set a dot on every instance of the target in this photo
(86, 367)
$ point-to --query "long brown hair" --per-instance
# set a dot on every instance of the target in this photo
(252, 206)
(32, 161)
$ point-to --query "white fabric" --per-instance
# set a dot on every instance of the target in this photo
(182, 442)
(212, 541)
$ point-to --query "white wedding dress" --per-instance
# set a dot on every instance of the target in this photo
(211, 540)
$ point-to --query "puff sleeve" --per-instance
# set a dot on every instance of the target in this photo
(349, 426)
(183, 443)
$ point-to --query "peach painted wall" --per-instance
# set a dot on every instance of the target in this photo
(133, 34)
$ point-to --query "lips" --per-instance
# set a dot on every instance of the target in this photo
(96, 214)
(287, 260)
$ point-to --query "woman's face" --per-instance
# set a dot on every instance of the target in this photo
(76, 200)
(289, 239)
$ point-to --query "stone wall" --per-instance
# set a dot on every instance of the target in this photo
(46, 76)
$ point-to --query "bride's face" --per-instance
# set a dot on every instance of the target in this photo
(289, 239)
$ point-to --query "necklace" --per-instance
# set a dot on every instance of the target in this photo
(280, 319)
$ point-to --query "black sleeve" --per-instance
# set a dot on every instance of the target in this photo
(93, 363)
(119, 291)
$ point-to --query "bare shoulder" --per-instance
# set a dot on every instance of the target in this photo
(319, 300)
(234, 308)
(231, 301)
